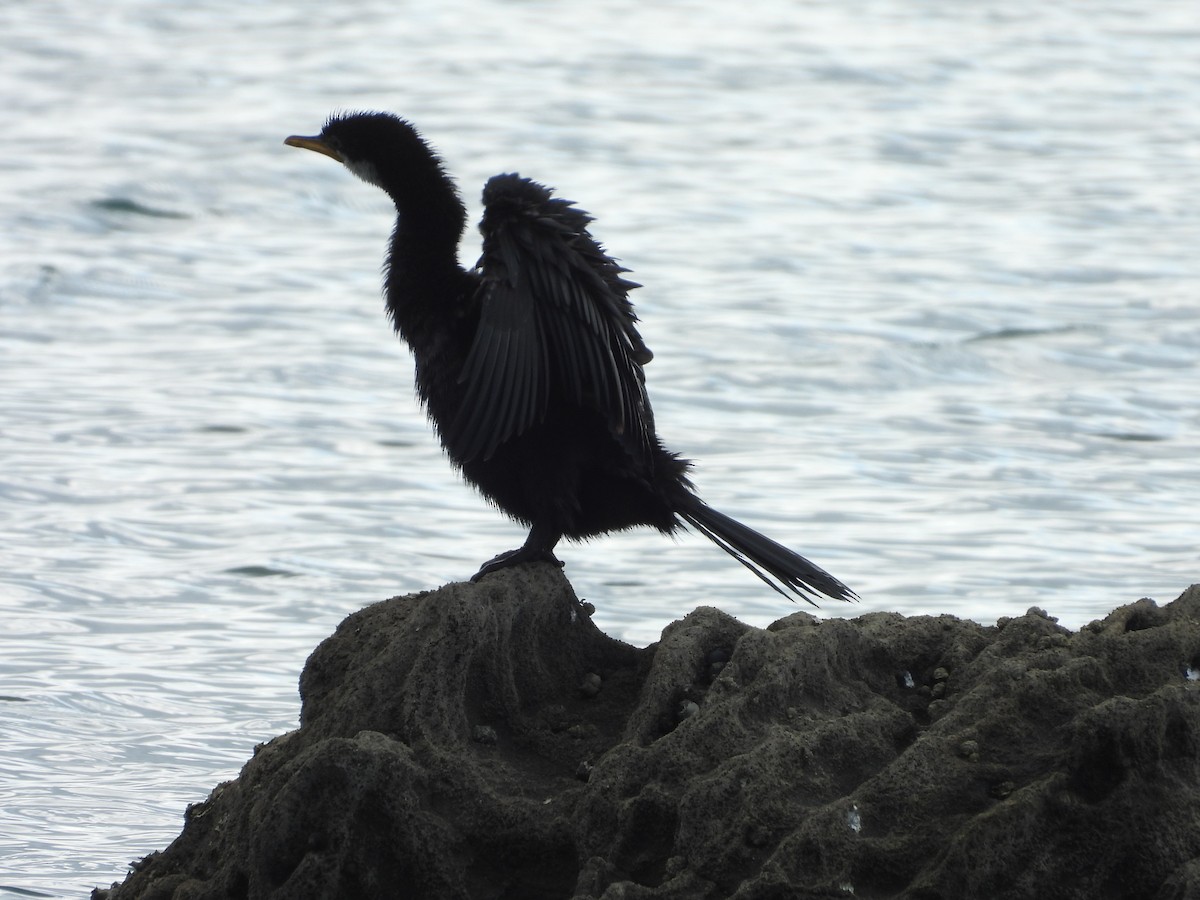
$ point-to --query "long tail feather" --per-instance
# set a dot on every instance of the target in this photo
(784, 570)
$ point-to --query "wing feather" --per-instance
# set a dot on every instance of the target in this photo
(554, 320)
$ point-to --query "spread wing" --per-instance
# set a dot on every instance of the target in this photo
(555, 325)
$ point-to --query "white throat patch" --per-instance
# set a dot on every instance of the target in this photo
(365, 171)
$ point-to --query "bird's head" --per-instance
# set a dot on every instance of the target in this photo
(379, 148)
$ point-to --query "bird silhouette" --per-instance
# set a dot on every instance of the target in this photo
(530, 365)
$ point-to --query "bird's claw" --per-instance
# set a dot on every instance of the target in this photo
(516, 557)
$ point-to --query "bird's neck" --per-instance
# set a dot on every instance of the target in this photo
(424, 283)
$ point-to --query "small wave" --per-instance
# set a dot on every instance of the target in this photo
(133, 207)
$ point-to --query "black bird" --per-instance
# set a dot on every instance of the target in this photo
(530, 365)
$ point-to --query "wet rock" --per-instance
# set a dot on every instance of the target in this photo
(484, 734)
(1060, 764)
(590, 686)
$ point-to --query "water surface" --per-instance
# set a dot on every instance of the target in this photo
(920, 279)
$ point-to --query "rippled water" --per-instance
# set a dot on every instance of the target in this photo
(921, 279)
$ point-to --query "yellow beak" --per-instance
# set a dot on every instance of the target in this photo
(313, 143)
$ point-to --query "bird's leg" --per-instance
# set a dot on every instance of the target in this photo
(538, 547)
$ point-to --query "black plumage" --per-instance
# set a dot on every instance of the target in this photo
(530, 365)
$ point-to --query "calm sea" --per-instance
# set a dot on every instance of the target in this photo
(921, 278)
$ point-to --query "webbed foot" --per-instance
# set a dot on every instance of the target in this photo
(538, 547)
(515, 557)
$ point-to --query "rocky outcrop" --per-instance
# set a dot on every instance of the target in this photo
(487, 741)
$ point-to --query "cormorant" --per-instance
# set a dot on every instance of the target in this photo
(530, 365)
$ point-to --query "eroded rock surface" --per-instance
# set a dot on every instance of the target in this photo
(487, 741)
